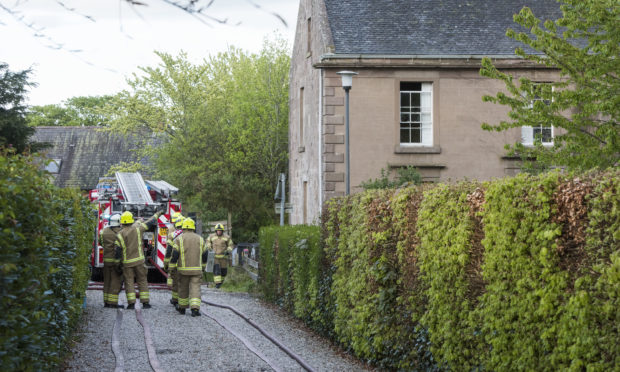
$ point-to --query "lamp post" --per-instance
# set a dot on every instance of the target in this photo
(347, 82)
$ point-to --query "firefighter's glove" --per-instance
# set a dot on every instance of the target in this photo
(205, 256)
(118, 252)
(119, 269)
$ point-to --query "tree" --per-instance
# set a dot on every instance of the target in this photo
(14, 133)
(226, 127)
(584, 105)
(75, 111)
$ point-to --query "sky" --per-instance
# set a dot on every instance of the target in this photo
(89, 47)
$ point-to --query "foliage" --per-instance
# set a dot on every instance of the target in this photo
(445, 229)
(584, 105)
(295, 251)
(14, 132)
(75, 111)
(519, 273)
(47, 236)
(123, 166)
(232, 110)
(237, 280)
(405, 176)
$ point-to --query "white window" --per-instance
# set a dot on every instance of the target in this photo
(416, 121)
(533, 134)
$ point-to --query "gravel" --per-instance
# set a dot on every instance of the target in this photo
(185, 343)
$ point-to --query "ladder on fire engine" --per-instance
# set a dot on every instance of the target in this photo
(133, 188)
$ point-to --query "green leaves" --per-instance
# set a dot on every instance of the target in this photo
(224, 124)
(518, 273)
(583, 104)
(47, 236)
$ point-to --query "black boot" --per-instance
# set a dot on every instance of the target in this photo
(174, 302)
(181, 311)
(131, 306)
(217, 285)
(106, 305)
(195, 312)
(146, 305)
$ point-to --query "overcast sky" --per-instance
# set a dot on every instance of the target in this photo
(72, 55)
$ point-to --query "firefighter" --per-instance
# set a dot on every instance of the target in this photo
(221, 244)
(171, 268)
(111, 278)
(130, 252)
(190, 255)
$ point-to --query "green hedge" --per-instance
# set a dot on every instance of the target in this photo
(520, 273)
(46, 236)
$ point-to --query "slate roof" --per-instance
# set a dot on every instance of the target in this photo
(429, 27)
(86, 153)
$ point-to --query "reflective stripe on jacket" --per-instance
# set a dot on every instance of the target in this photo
(106, 240)
(130, 240)
(190, 247)
(219, 244)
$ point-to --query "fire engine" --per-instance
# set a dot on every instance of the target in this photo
(130, 192)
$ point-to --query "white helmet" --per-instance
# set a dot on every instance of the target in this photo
(115, 220)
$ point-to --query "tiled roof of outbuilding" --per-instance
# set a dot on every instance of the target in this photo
(87, 153)
(429, 27)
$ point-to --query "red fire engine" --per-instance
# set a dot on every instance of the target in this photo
(129, 192)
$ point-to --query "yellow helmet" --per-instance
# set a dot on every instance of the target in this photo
(127, 218)
(179, 222)
(219, 226)
(189, 224)
(175, 217)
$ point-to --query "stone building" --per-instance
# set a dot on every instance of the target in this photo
(417, 98)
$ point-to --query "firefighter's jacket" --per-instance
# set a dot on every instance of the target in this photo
(169, 239)
(219, 245)
(189, 253)
(170, 248)
(107, 237)
(129, 246)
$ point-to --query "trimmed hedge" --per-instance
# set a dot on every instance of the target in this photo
(46, 236)
(520, 273)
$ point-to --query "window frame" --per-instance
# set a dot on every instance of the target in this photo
(528, 137)
(426, 86)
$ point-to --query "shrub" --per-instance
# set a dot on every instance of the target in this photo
(518, 273)
(405, 176)
(46, 236)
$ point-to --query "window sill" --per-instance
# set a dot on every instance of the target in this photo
(399, 149)
(301, 149)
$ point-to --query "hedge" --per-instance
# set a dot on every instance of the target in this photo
(46, 236)
(520, 273)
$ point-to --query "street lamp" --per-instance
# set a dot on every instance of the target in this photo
(347, 81)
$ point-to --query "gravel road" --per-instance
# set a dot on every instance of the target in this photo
(185, 343)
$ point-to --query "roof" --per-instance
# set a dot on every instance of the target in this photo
(429, 27)
(85, 153)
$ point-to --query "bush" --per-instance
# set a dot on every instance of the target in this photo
(519, 273)
(405, 176)
(47, 235)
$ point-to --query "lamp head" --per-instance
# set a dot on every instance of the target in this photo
(347, 78)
